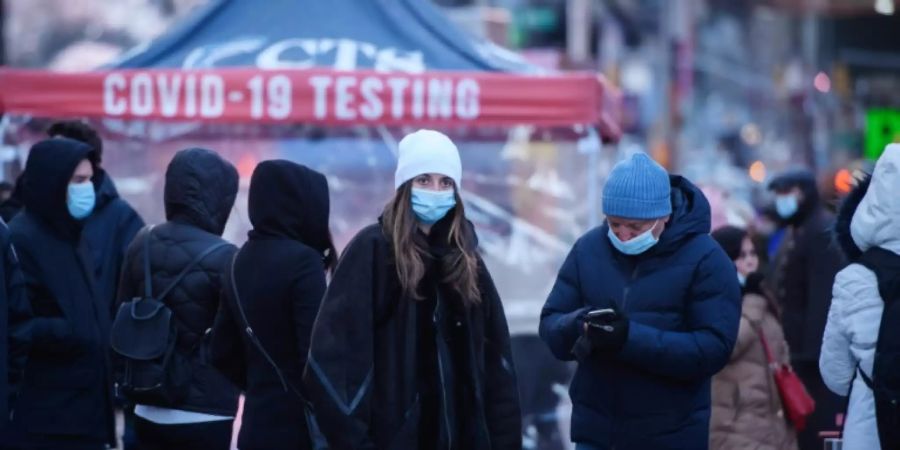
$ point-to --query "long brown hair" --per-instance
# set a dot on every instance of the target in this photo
(459, 267)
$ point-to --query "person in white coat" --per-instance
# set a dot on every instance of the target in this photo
(868, 219)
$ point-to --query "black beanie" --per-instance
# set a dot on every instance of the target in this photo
(730, 239)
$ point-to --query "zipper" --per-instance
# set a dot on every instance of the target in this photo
(625, 291)
(437, 334)
(627, 288)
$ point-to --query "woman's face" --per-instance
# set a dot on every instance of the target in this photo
(433, 182)
(747, 261)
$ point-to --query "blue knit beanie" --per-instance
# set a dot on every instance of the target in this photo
(637, 188)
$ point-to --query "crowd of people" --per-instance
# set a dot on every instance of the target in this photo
(683, 337)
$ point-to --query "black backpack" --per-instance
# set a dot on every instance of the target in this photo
(149, 370)
(885, 379)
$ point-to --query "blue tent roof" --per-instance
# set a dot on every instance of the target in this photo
(387, 35)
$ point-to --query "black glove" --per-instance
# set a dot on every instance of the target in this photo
(608, 336)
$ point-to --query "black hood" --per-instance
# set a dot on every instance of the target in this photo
(806, 181)
(845, 217)
(690, 215)
(45, 182)
(290, 200)
(200, 189)
(106, 189)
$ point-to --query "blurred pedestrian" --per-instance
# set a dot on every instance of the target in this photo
(113, 223)
(411, 348)
(15, 333)
(649, 305)
(199, 194)
(746, 407)
(66, 401)
(868, 233)
(279, 277)
(801, 277)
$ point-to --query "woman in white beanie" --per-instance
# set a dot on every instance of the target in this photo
(411, 348)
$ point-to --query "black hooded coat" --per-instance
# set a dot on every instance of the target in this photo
(389, 372)
(280, 278)
(67, 392)
(200, 191)
(15, 322)
(804, 270)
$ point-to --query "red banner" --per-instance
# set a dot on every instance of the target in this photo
(305, 96)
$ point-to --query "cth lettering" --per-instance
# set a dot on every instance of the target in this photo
(348, 97)
(166, 95)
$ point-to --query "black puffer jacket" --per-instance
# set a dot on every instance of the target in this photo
(280, 277)
(200, 191)
(365, 374)
(67, 392)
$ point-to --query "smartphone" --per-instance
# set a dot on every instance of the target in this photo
(601, 315)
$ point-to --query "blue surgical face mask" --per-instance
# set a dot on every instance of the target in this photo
(636, 245)
(81, 199)
(786, 205)
(431, 206)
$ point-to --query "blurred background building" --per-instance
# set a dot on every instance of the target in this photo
(722, 82)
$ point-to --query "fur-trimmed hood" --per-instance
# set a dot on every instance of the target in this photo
(868, 214)
(845, 218)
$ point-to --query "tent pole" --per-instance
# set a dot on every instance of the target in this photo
(592, 145)
(388, 139)
(2, 33)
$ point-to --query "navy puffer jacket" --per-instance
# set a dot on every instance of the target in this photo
(683, 300)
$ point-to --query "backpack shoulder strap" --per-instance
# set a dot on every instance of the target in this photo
(866, 379)
(197, 259)
(285, 384)
(148, 279)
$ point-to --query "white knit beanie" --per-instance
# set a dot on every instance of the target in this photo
(427, 151)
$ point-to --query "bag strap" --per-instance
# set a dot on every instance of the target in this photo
(148, 277)
(765, 343)
(197, 259)
(148, 284)
(285, 384)
(866, 379)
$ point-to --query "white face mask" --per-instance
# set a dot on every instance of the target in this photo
(742, 279)
(636, 245)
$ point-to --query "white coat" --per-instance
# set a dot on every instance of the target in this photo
(854, 319)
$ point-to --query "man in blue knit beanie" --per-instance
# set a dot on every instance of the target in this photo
(649, 306)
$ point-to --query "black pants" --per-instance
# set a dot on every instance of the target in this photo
(196, 436)
(828, 406)
(45, 442)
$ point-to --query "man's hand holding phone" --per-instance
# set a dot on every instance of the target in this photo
(607, 329)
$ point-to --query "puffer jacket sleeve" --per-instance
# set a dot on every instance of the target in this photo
(852, 327)
(501, 395)
(561, 317)
(340, 368)
(712, 315)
